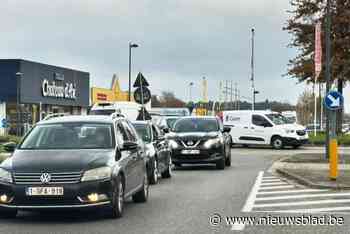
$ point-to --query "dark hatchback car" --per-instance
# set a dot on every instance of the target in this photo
(75, 162)
(157, 150)
(199, 140)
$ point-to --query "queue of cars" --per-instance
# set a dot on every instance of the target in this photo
(80, 162)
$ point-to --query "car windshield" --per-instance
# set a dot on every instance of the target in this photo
(171, 121)
(70, 136)
(278, 119)
(144, 131)
(196, 125)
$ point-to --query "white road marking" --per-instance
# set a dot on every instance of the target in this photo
(238, 227)
(248, 206)
(270, 177)
(302, 203)
(271, 180)
(293, 191)
(302, 196)
(275, 183)
(311, 210)
(250, 200)
(277, 187)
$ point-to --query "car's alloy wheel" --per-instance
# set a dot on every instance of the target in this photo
(117, 199)
(228, 159)
(277, 143)
(155, 172)
(168, 172)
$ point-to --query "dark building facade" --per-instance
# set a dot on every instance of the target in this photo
(29, 91)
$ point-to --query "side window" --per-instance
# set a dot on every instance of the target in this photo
(130, 132)
(259, 120)
(221, 125)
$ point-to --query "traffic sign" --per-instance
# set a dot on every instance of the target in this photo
(146, 95)
(140, 81)
(334, 100)
(4, 123)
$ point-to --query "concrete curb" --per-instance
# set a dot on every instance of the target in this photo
(303, 181)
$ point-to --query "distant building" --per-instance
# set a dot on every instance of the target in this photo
(113, 94)
(40, 90)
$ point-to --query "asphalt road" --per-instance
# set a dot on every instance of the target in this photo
(184, 203)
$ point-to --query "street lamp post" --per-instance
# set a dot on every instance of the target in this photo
(252, 70)
(190, 91)
(18, 125)
(131, 45)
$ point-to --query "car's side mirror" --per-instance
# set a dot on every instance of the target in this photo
(118, 155)
(166, 130)
(129, 145)
(267, 125)
(10, 147)
(227, 129)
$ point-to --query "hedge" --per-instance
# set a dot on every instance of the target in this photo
(320, 139)
(9, 138)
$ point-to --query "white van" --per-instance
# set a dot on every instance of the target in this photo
(128, 109)
(263, 128)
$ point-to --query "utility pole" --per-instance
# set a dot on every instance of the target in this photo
(228, 91)
(252, 69)
(328, 71)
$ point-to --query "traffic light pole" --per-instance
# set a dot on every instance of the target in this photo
(328, 72)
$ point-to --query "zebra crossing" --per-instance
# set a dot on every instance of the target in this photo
(274, 195)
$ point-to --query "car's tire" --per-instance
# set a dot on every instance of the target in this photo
(178, 165)
(220, 164)
(142, 195)
(153, 176)
(117, 206)
(8, 213)
(277, 142)
(228, 159)
(167, 173)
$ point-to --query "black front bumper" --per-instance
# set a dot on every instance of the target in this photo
(294, 142)
(74, 196)
(205, 156)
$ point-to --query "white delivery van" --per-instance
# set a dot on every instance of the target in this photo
(128, 109)
(263, 128)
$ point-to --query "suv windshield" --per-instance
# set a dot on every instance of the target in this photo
(278, 119)
(70, 136)
(196, 125)
(144, 131)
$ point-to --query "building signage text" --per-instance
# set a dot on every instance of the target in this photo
(67, 91)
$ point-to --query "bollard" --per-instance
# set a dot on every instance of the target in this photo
(333, 159)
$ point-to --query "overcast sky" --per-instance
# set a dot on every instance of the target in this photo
(180, 41)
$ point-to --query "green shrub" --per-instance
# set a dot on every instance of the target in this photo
(320, 139)
(8, 138)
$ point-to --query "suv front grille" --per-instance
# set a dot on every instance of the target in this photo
(56, 178)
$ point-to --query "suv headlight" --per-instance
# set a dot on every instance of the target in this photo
(5, 176)
(288, 131)
(97, 174)
(173, 144)
(212, 143)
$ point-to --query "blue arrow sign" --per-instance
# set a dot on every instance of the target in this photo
(334, 100)
(3, 123)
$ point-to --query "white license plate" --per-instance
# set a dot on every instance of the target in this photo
(190, 151)
(44, 191)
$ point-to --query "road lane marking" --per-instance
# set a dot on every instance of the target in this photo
(293, 191)
(249, 203)
(275, 183)
(271, 180)
(277, 187)
(250, 200)
(311, 210)
(302, 203)
(270, 177)
(302, 196)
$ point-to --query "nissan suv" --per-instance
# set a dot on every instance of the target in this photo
(75, 162)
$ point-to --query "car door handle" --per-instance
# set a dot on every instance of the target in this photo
(245, 127)
(252, 128)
